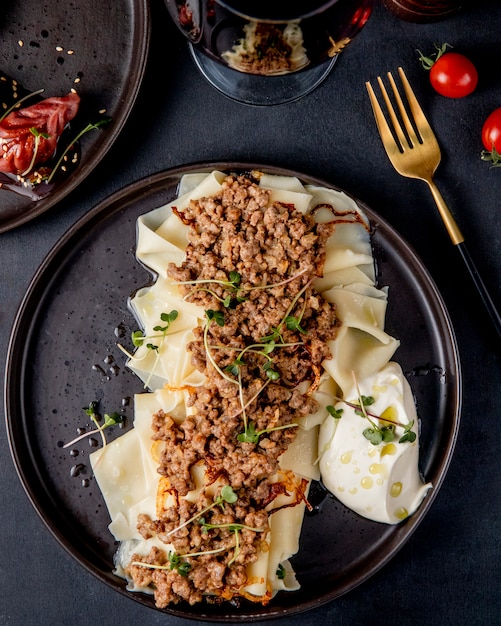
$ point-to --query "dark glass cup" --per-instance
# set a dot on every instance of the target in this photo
(266, 52)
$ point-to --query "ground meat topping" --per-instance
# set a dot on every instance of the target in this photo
(250, 264)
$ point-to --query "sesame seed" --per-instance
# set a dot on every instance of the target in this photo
(21, 43)
(102, 111)
(70, 52)
(77, 80)
(59, 48)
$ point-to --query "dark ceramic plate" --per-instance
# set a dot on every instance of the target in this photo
(63, 355)
(49, 44)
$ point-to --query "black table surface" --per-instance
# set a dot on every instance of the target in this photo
(449, 570)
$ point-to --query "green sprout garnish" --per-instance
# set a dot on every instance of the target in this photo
(294, 324)
(377, 434)
(38, 137)
(251, 435)
(175, 562)
(17, 105)
(233, 285)
(231, 300)
(335, 413)
(280, 573)
(88, 128)
(234, 527)
(227, 495)
(138, 337)
(216, 316)
(92, 412)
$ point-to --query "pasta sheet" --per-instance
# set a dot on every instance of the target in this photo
(126, 468)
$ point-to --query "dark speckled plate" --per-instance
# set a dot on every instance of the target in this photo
(63, 355)
(98, 47)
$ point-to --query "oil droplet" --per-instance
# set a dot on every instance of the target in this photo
(378, 468)
(372, 452)
(346, 457)
(379, 481)
(356, 470)
(340, 489)
(389, 448)
(366, 482)
(389, 414)
(401, 513)
(353, 490)
(396, 489)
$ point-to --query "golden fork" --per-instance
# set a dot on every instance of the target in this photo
(415, 153)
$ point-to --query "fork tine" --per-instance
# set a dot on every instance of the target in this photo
(417, 112)
(393, 116)
(413, 137)
(381, 123)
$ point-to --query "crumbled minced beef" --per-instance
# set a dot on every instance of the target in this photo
(276, 252)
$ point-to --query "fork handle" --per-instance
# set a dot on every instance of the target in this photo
(450, 223)
(458, 240)
(481, 288)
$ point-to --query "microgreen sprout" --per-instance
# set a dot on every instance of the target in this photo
(280, 573)
(251, 435)
(18, 103)
(335, 413)
(263, 349)
(92, 412)
(375, 433)
(291, 322)
(138, 338)
(88, 128)
(38, 137)
(218, 318)
(176, 561)
(232, 284)
(234, 527)
(226, 495)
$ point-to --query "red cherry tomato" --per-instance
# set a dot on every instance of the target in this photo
(491, 132)
(453, 75)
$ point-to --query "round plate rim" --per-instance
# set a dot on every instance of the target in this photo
(109, 206)
(141, 37)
